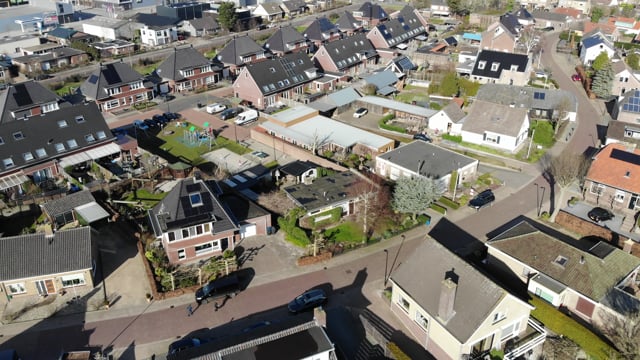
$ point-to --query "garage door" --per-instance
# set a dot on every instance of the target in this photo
(247, 230)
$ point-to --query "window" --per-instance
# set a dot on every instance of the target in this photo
(404, 304)
(538, 95)
(509, 331)
(172, 236)
(195, 199)
(18, 135)
(62, 124)
(495, 66)
(561, 260)
(1, 141)
(49, 107)
(89, 138)
(199, 230)
(135, 86)
(114, 91)
(8, 162)
(41, 152)
(28, 156)
(72, 280)
(421, 320)
(204, 248)
(207, 227)
(17, 288)
(112, 104)
(619, 196)
(482, 64)
(60, 147)
(101, 134)
(79, 119)
(72, 143)
(185, 233)
(499, 316)
(189, 72)
(597, 188)
(182, 254)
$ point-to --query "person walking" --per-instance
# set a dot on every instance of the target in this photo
(189, 310)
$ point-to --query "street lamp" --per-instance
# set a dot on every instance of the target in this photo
(537, 198)
(386, 264)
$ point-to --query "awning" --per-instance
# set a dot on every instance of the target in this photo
(9, 181)
(74, 159)
(387, 90)
(91, 212)
(104, 150)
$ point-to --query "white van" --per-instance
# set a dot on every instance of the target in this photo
(247, 117)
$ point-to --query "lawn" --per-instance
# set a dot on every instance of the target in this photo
(407, 96)
(147, 198)
(68, 88)
(560, 323)
(345, 232)
(145, 69)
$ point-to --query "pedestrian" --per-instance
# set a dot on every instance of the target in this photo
(189, 310)
(216, 306)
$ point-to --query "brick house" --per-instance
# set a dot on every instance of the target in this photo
(241, 51)
(48, 57)
(321, 30)
(186, 69)
(501, 68)
(348, 25)
(370, 14)
(116, 86)
(272, 81)
(623, 79)
(193, 222)
(286, 40)
(500, 36)
(115, 47)
(352, 54)
(395, 33)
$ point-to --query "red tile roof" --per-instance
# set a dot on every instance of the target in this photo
(605, 28)
(574, 13)
(612, 171)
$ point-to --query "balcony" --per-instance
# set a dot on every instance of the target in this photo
(533, 336)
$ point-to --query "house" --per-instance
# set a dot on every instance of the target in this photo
(113, 48)
(305, 128)
(286, 40)
(499, 126)
(321, 30)
(336, 102)
(575, 14)
(353, 55)
(582, 5)
(66, 36)
(272, 81)
(412, 115)
(454, 311)
(325, 194)
(307, 340)
(400, 66)
(592, 279)
(40, 265)
(613, 178)
(608, 30)
(184, 10)
(186, 69)
(12, 45)
(501, 37)
(76, 207)
(348, 25)
(501, 68)
(546, 19)
(27, 99)
(297, 172)
(241, 51)
(440, 8)
(593, 45)
(395, 33)
(116, 86)
(192, 223)
(370, 14)
(623, 79)
(541, 103)
(48, 57)
(422, 159)
(292, 8)
(156, 30)
(524, 17)
(448, 120)
(202, 26)
(627, 107)
(269, 11)
(625, 25)
(107, 28)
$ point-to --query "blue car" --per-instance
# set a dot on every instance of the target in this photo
(140, 125)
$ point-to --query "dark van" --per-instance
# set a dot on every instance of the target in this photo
(225, 286)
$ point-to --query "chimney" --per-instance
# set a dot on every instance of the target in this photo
(447, 299)
(512, 105)
(582, 259)
(628, 246)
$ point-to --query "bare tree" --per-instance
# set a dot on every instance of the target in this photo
(564, 170)
(529, 38)
(276, 201)
(624, 332)
(561, 112)
(373, 199)
(318, 141)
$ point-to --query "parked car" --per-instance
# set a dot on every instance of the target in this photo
(422, 137)
(576, 77)
(360, 113)
(216, 108)
(150, 123)
(184, 344)
(160, 119)
(222, 287)
(482, 199)
(541, 74)
(140, 125)
(171, 116)
(230, 113)
(598, 214)
(548, 28)
(307, 300)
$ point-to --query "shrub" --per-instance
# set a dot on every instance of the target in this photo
(449, 203)
(335, 215)
(397, 353)
(438, 208)
(454, 138)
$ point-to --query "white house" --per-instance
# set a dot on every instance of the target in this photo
(594, 45)
(623, 79)
(448, 120)
(500, 126)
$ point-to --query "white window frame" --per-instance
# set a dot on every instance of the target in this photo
(112, 104)
(515, 326)
(114, 91)
(72, 143)
(70, 280)
(135, 85)
(60, 147)
(8, 163)
(101, 135)
(600, 188)
(182, 254)
(189, 72)
(421, 320)
(16, 288)
(495, 66)
(41, 153)
(619, 196)
(208, 248)
(404, 304)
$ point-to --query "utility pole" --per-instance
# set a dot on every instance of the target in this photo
(530, 143)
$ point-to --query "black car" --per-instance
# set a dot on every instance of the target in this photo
(422, 137)
(184, 344)
(230, 113)
(548, 28)
(307, 300)
(159, 118)
(171, 116)
(150, 123)
(225, 286)
(482, 199)
(598, 214)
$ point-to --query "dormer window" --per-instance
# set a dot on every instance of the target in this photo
(60, 147)
(135, 85)
(482, 64)
(41, 152)
(8, 163)
(80, 119)
(72, 143)
(18, 135)
(101, 135)
(89, 138)
(62, 124)
(28, 156)
(561, 260)
(495, 66)
(114, 91)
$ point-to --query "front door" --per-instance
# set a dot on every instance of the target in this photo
(45, 287)
(633, 201)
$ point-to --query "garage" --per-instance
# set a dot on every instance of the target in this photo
(248, 230)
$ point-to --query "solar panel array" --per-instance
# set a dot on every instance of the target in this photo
(625, 156)
(633, 105)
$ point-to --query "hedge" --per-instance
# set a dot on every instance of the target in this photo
(438, 208)
(454, 138)
(449, 203)
(383, 124)
(335, 214)
(294, 234)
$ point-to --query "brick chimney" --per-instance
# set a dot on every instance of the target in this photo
(448, 290)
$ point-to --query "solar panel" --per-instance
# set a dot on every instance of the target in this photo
(601, 250)
(21, 95)
(111, 75)
(625, 107)
(625, 156)
(93, 79)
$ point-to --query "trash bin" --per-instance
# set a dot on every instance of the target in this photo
(428, 221)
(200, 105)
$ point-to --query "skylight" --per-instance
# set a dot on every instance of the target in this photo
(195, 199)
(62, 123)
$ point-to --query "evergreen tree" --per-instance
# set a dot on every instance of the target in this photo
(603, 81)
(227, 15)
(414, 195)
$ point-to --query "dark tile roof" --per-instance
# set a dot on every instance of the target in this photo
(67, 203)
(454, 112)
(324, 191)
(45, 131)
(242, 208)
(108, 76)
(436, 161)
(54, 54)
(527, 97)
(403, 27)
(523, 14)
(31, 255)
(373, 11)
(155, 22)
(475, 298)
(510, 22)
(617, 130)
(175, 211)
(206, 22)
(62, 33)
(284, 36)
(275, 75)
(297, 168)
(504, 59)
(349, 51)
(320, 29)
(22, 96)
(185, 58)
(346, 22)
(294, 5)
(237, 48)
